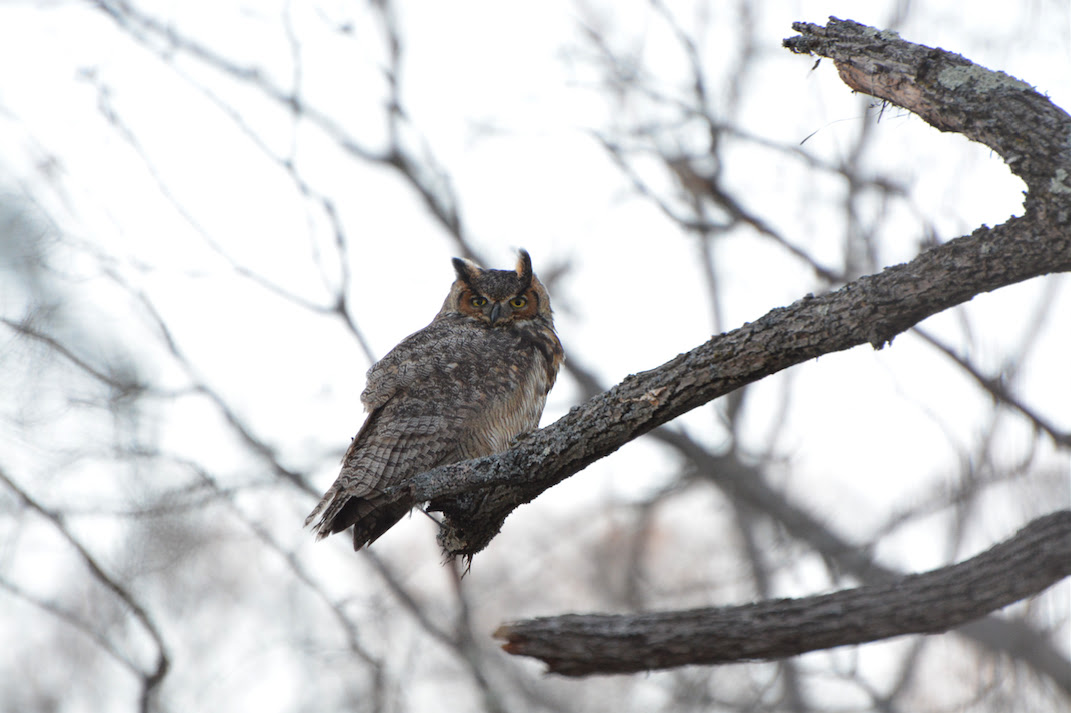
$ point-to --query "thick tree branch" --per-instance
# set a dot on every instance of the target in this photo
(939, 600)
(946, 90)
(747, 484)
(952, 94)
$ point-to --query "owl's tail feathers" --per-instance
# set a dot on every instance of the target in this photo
(370, 516)
(322, 529)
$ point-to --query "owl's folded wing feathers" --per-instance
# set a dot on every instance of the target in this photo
(393, 445)
(407, 363)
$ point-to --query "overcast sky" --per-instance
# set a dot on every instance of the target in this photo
(156, 167)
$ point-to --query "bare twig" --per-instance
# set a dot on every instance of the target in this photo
(151, 678)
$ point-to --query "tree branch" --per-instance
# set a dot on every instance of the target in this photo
(953, 94)
(946, 90)
(151, 677)
(1038, 556)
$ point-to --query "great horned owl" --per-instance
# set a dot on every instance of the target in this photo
(460, 388)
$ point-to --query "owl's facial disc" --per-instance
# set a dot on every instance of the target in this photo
(498, 312)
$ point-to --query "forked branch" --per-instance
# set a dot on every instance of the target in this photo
(952, 94)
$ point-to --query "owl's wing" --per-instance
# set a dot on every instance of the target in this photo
(423, 398)
(412, 360)
(401, 439)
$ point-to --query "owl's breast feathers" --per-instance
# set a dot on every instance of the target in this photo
(455, 390)
(541, 337)
(456, 351)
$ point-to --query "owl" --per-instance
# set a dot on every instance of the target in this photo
(462, 387)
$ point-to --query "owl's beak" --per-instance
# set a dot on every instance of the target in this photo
(497, 312)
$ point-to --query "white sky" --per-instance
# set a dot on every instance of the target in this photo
(541, 183)
(538, 181)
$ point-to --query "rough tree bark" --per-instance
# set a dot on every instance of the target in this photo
(581, 644)
(946, 90)
(952, 94)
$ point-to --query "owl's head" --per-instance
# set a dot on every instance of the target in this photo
(497, 297)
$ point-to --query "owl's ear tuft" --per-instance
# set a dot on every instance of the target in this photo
(524, 267)
(466, 270)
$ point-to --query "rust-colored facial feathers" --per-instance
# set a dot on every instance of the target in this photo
(497, 297)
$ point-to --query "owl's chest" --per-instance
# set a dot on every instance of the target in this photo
(505, 400)
(483, 355)
(459, 370)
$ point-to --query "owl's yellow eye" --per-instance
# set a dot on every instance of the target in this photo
(518, 302)
(478, 301)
